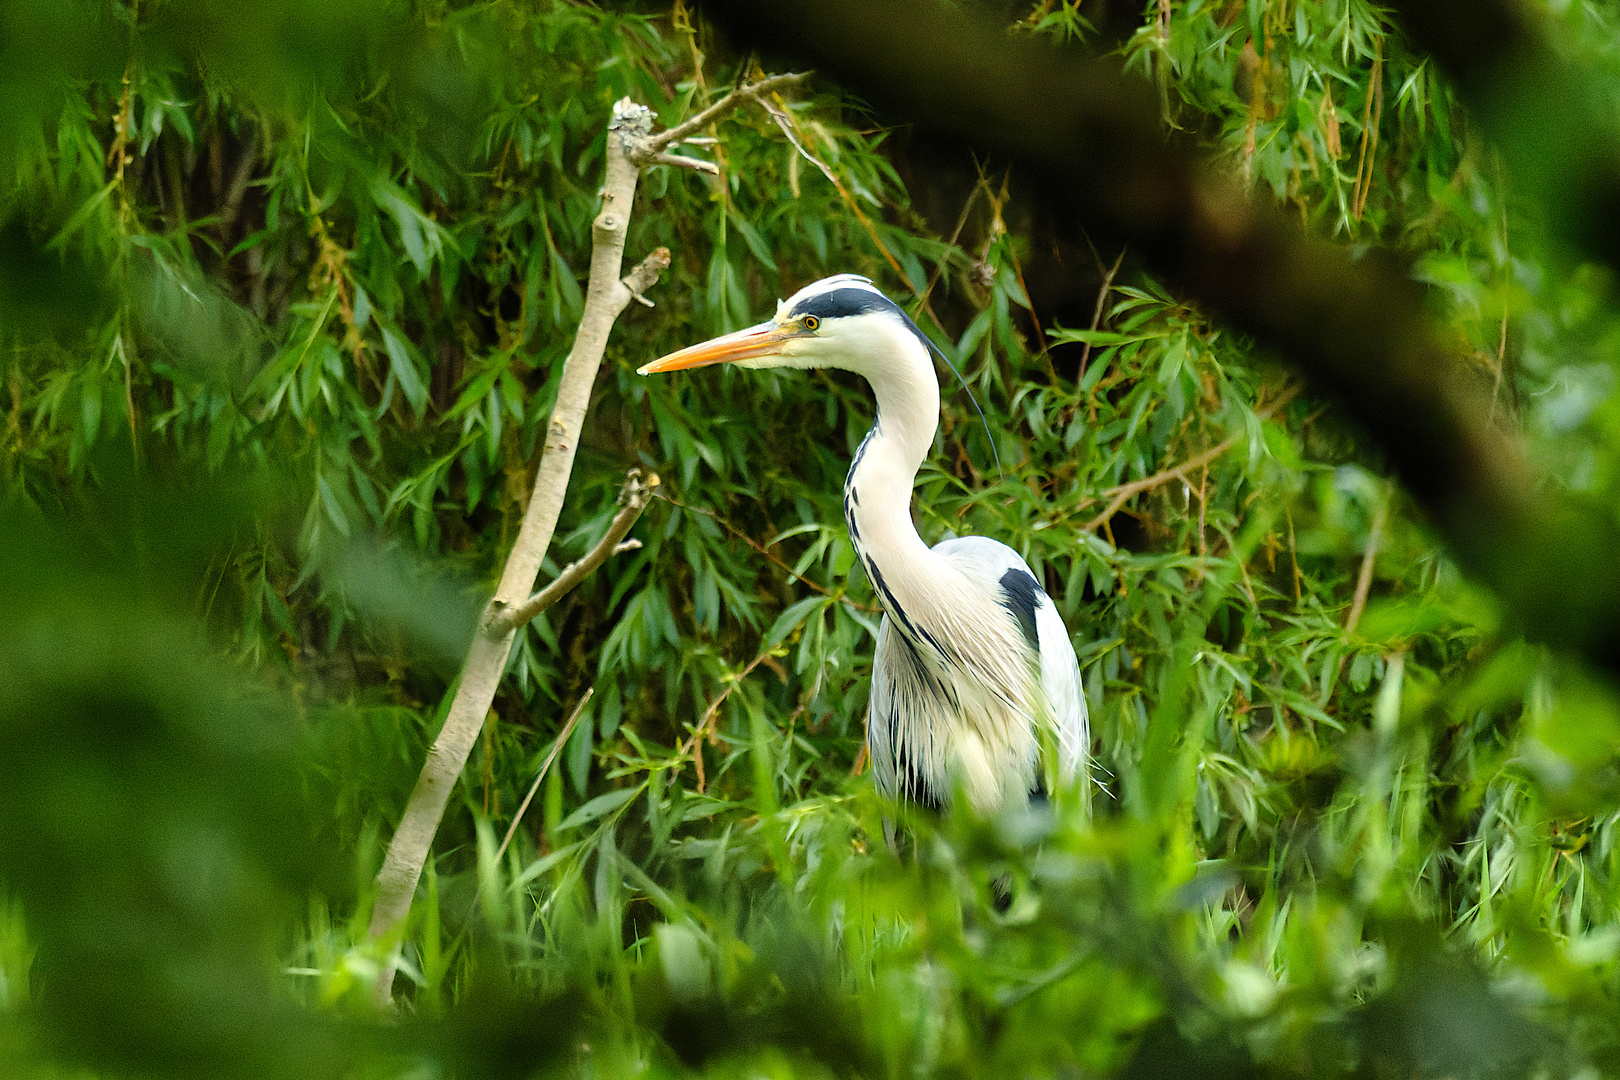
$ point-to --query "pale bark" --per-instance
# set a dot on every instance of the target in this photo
(631, 147)
(605, 297)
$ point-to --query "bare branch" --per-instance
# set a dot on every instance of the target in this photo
(1096, 316)
(606, 296)
(635, 495)
(681, 161)
(692, 125)
(644, 277)
(631, 147)
(1125, 491)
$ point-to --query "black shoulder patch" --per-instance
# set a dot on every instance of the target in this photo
(1021, 596)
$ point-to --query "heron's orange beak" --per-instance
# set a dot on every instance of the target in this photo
(766, 339)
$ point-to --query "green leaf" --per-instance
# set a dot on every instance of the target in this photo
(600, 806)
(790, 619)
(403, 367)
(1091, 337)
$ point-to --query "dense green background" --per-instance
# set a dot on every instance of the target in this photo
(285, 288)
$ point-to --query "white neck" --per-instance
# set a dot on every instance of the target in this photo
(877, 493)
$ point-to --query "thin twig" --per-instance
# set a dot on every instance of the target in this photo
(683, 162)
(1203, 545)
(1293, 557)
(785, 121)
(1096, 316)
(956, 233)
(635, 495)
(765, 551)
(1502, 341)
(705, 726)
(1125, 491)
(545, 767)
(1243, 569)
(999, 226)
(737, 97)
(1368, 559)
(1371, 116)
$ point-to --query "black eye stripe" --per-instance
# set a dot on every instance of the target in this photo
(841, 303)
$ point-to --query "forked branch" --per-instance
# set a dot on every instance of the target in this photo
(605, 298)
(631, 147)
(655, 144)
(634, 496)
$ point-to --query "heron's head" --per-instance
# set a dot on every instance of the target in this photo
(842, 321)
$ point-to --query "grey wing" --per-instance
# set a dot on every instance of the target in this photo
(1060, 678)
(880, 718)
(989, 560)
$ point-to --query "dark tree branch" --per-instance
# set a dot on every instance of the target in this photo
(1558, 135)
(1090, 141)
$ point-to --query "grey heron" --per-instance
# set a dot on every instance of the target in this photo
(975, 686)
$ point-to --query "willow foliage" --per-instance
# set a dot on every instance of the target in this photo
(284, 296)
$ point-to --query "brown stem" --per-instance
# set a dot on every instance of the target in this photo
(784, 120)
(1096, 316)
(706, 725)
(1371, 116)
(1368, 558)
(737, 97)
(545, 767)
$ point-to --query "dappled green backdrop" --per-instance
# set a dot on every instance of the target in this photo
(285, 290)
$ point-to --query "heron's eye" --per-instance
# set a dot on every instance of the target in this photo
(811, 323)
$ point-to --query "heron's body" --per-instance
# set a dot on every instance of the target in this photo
(974, 681)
